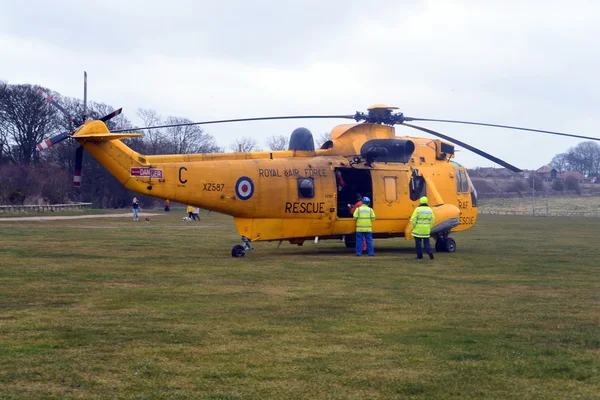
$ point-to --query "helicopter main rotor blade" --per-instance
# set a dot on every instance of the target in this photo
(240, 120)
(468, 147)
(499, 126)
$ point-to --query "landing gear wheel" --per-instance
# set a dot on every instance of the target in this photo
(238, 251)
(450, 245)
(350, 242)
(440, 245)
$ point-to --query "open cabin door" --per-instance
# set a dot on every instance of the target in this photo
(352, 183)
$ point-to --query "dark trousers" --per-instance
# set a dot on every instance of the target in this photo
(419, 246)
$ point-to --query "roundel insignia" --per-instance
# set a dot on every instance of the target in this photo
(244, 188)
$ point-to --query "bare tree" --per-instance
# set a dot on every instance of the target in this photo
(4, 146)
(27, 118)
(188, 139)
(585, 158)
(277, 142)
(244, 145)
(149, 117)
(560, 162)
(154, 139)
(321, 139)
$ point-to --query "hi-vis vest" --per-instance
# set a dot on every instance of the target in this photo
(422, 220)
(363, 216)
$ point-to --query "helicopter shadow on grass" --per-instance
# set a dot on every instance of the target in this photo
(338, 251)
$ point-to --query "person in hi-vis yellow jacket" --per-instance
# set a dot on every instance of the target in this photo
(364, 215)
(422, 220)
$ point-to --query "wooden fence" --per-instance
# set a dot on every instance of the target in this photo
(44, 208)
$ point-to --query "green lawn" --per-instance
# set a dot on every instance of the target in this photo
(63, 213)
(579, 204)
(111, 308)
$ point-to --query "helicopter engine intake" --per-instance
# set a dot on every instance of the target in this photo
(387, 150)
(301, 139)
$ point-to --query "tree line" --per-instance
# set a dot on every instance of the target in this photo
(28, 176)
(585, 158)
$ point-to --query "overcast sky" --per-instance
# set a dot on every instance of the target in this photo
(527, 63)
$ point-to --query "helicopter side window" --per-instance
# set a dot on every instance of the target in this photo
(391, 190)
(458, 182)
(464, 182)
(417, 187)
(306, 188)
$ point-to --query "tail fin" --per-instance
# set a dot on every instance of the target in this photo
(96, 131)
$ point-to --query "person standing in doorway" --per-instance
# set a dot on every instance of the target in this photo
(364, 216)
(422, 220)
(135, 204)
(339, 180)
(353, 208)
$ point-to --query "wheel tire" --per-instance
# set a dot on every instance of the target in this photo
(238, 251)
(450, 245)
(350, 242)
(440, 246)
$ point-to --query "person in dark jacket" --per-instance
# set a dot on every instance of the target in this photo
(135, 205)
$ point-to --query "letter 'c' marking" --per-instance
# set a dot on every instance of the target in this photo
(180, 179)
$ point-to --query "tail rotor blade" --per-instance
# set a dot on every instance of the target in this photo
(78, 167)
(52, 141)
(468, 147)
(51, 100)
(111, 115)
(84, 95)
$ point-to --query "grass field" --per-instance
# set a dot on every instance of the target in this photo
(111, 308)
(63, 213)
(590, 204)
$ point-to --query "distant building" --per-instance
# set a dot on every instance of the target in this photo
(546, 173)
(581, 178)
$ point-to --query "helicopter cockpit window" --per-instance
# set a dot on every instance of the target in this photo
(474, 200)
(417, 187)
(306, 188)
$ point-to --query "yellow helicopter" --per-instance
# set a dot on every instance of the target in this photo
(304, 193)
